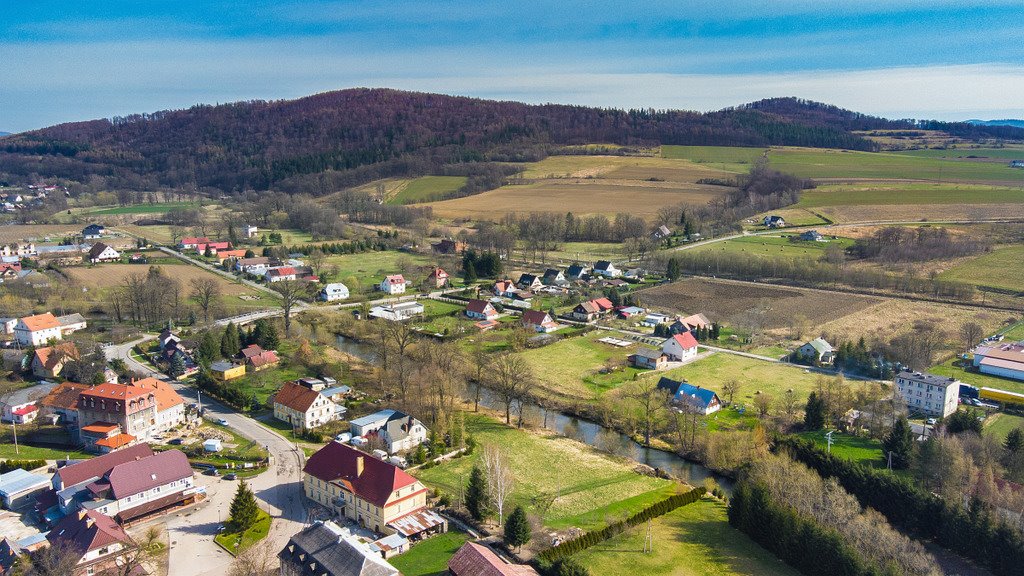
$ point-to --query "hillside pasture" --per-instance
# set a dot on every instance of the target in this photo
(922, 213)
(37, 232)
(725, 158)
(1002, 155)
(155, 208)
(582, 197)
(882, 193)
(618, 167)
(1001, 268)
(425, 189)
(825, 163)
(726, 301)
(775, 246)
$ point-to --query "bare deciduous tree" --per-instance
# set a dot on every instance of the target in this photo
(731, 388)
(511, 378)
(971, 333)
(206, 293)
(500, 479)
(652, 402)
(291, 292)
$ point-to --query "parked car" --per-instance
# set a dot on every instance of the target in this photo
(931, 421)
(175, 441)
(231, 476)
(222, 422)
(211, 472)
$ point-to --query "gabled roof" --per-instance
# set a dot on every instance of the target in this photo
(820, 346)
(98, 249)
(71, 319)
(252, 350)
(337, 462)
(535, 317)
(296, 396)
(478, 306)
(135, 476)
(64, 396)
(282, 271)
(99, 466)
(395, 279)
(685, 339)
(695, 321)
(265, 358)
(49, 357)
(603, 304)
(650, 353)
(40, 322)
(86, 530)
(526, 279)
(116, 441)
(438, 273)
(194, 240)
(331, 551)
(476, 560)
(603, 265)
(166, 395)
(694, 394)
(122, 392)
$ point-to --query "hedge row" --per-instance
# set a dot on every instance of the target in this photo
(812, 549)
(570, 547)
(9, 465)
(975, 533)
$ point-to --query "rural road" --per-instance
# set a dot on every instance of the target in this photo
(192, 551)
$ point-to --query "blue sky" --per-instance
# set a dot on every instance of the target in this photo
(62, 61)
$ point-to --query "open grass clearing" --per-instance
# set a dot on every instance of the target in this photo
(727, 158)
(970, 154)
(922, 212)
(882, 193)
(826, 163)
(951, 368)
(856, 448)
(24, 452)
(619, 167)
(587, 251)
(363, 272)
(1000, 424)
(694, 540)
(1001, 268)
(783, 245)
(564, 482)
(237, 542)
(754, 375)
(37, 232)
(426, 189)
(582, 197)
(1014, 332)
(725, 301)
(570, 368)
(430, 557)
(155, 208)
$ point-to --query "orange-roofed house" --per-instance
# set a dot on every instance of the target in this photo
(477, 560)
(49, 361)
(371, 492)
(223, 255)
(170, 407)
(62, 402)
(256, 358)
(37, 330)
(133, 409)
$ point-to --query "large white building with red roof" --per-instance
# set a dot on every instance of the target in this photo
(394, 284)
(680, 347)
(374, 493)
(37, 330)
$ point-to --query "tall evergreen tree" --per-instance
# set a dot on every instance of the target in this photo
(264, 334)
(814, 413)
(177, 366)
(209, 347)
(244, 511)
(231, 341)
(900, 444)
(673, 270)
(517, 528)
(469, 272)
(476, 494)
(1014, 440)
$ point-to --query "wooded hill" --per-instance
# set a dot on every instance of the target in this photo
(333, 140)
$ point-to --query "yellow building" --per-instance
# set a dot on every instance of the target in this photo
(224, 370)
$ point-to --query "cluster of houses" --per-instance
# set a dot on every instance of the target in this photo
(42, 329)
(86, 505)
(11, 202)
(274, 269)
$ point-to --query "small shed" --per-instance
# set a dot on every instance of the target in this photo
(19, 488)
(213, 445)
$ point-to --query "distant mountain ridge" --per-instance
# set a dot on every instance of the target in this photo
(338, 139)
(1006, 122)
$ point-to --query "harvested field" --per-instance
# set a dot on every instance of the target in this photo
(582, 197)
(923, 212)
(889, 193)
(725, 301)
(109, 275)
(36, 232)
(623, 167)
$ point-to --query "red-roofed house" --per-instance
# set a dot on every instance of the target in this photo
(481, 310)
(213, 246)
(37, 330)
(504, 288)
(49, 361)
(97, 467)
(93, 536)
(223, 255)
(257, 358)
(538, 321)
(190, 242)
(592, 309)
(376, 494)
(281, 273)
(138, 488)
(438, 278)
(394, 284)
(132, 408)
(302, 407)
(476, 560)
(680, 347)
(62, 401)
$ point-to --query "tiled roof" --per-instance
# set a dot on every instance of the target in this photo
(535, 317)
(40, 322)
(97, 249)
(100, 465)
(64, 396)
(194, 240)
(50, 356)
(263, 359)
(296, 396)
(324, 548)
(282, 271)
(139, 475)
(476, 560)
(478, 306)
(100, 428)
(395, 279)
(686, 340)
(117, 392)
(86, 530)
(337, 462)
(166, 395)
(115, 442)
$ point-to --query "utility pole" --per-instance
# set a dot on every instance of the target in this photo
(14, 426)
(649, 539)
(889, 465)
(828, 436)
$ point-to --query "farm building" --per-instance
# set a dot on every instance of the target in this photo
(1005, 360)
(477, 560)
(817, 350)
(690, 323)
(93, 231)
(812, 236)
(449, 246)
(648, 358)
(71, 323)
(190, 242)
(37, 330)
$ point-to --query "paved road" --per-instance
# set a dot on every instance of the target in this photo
(193, 552)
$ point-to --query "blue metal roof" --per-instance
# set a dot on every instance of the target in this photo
(371, 418)
(17, 481)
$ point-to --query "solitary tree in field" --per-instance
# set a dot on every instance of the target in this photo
(244, 511)
(291, 292)
(731, 388)
(206, 293)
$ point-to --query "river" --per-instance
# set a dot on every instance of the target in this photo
(592, 433)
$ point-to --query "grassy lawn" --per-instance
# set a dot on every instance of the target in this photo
(694, 540)
(1000, 424)
(587, 251)
(769, 377)
(817, 163)
(430, 557)
(594, 489)
(856, 448)
(155, 208)
(1015, 332)
(362, 272)
(950, 368)
(999, 268)
(728, 158)
(237, 542)
(897, 193)
(32, 453)
(1008, 153)
(775, 247)
(570, 366)
(427, 189)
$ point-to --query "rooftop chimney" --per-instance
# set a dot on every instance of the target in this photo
(359, 466)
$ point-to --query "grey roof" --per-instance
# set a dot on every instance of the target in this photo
(26, 395)
(335, 390)
(398, 426)
(649, 353)
(820, 345)
(371, 418)
(929, 379)
(222, 365)
(333, 553)
(19, 480)
(70, 319)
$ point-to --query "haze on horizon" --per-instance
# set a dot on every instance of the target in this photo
(903, 58)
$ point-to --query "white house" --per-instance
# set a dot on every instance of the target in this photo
(280, 273)
(680, 347)
(606, 269)
(100, 252)
(397, 312)
(933, 395)
(396, 430)
(8, 324)
(393, 284)
(37, 330)
(251, 231)
(303, 407)
(334, 291)
(481, 310)
(71, 323)
(817, 350)
(257, 265)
